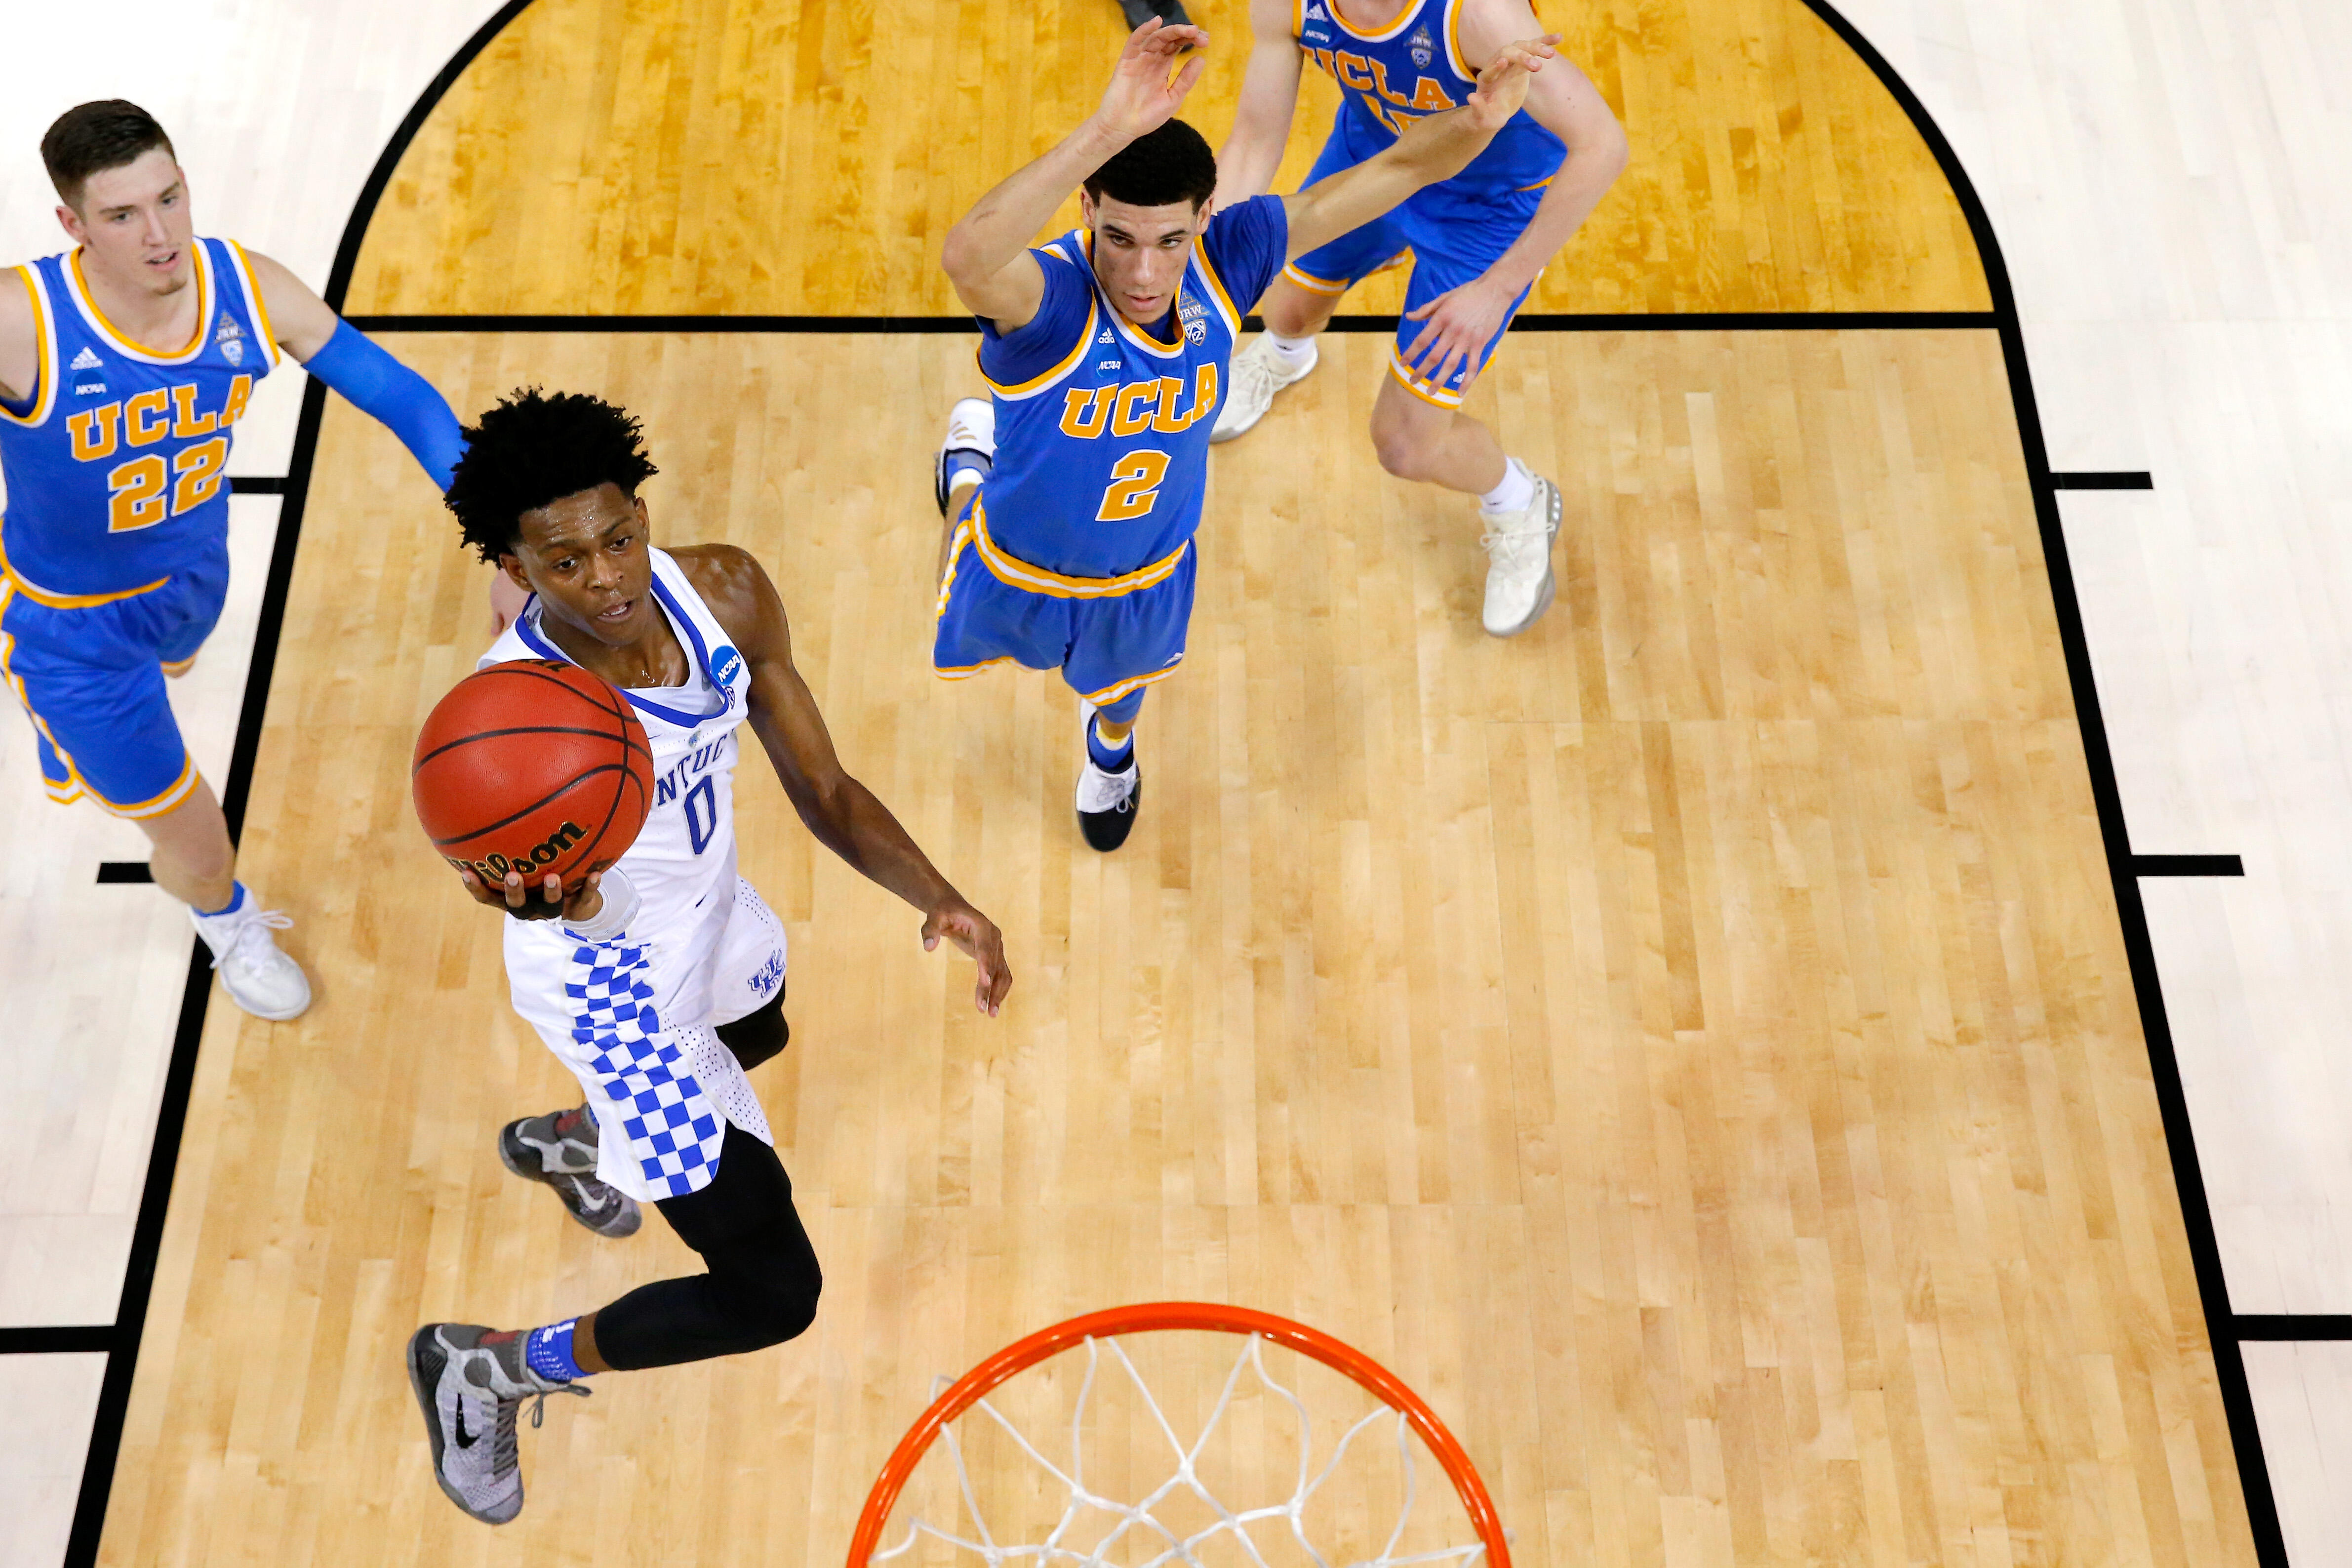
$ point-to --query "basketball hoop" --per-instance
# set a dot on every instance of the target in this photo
(1096, 1331)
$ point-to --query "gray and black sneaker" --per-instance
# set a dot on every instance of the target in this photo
(470, 1393)
(560, 1149)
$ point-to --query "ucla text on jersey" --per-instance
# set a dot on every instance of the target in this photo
(117, 467)
(1102, 426)
(1389, 79)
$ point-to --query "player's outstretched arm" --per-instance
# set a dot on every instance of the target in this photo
(1247, 162)
(1432, 149)
(369, 378)
(842, 813)
(986, 255)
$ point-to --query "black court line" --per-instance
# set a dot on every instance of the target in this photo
(2103, 479)
(2294, 1328)
(1692, 321)
(113, 873)
(2179, 1137)
(124, 1342)
(2188, 866)
(255, 485)
(74, 1339)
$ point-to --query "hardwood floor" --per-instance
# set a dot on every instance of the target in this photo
(1691, 1043)
(797, 158)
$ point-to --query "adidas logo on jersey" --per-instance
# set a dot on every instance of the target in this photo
(1317, 14)
(84, 360)
(1104, 339)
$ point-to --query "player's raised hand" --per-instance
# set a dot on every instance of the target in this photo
(976, 934)
(1141, 96)
(1503, 85)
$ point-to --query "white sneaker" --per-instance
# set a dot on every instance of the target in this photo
(257, 976)
(1258, 372)
(1519, 562)
(971, 428)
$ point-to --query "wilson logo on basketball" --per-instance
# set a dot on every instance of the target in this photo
(494, 868)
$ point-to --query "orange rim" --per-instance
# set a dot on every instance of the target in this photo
(1155, 1317)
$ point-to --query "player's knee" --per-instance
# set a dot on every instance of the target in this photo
(760, 1035)
(779, 1308)
(1403, 451)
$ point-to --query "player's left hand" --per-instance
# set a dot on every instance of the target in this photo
(976, 934)
(1456, 328)
(1503, 85)
(1141, 96)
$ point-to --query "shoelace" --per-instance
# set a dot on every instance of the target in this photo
(259, 923)
(504, 1443)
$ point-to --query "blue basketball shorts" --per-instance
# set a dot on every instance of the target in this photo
(1455, 235)
(1110, 637)
(90, 670)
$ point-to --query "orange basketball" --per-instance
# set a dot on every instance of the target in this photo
(532, 766)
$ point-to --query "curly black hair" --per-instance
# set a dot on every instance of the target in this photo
(1170, 164)
(535, 448)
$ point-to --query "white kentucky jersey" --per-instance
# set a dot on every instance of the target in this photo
(630, 1016)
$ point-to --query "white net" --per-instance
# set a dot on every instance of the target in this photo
(1244, 1491)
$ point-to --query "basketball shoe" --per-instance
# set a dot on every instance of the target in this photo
(1259, 372)
(470, 1393)
(256, 975)
(1108, 799)
(560, 1149)
(1520, 584)
(970, 448)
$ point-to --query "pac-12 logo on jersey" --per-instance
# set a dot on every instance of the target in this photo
(231, 339)
(1196, 327)
(1424, 49)
(724, 665)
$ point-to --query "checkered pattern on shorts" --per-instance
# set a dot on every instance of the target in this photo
(673, 1130)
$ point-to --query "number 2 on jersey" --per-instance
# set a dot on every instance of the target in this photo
(1134, 485)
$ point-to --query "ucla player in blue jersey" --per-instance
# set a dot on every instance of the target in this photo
(1073, 494)
(114, 545)
(1478, 241)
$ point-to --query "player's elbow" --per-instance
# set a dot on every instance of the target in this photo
(961, 259)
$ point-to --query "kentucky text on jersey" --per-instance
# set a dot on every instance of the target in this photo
(1415, 67)
(1102, 426)
(117, 468)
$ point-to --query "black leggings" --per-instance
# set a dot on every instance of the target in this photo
(762, 1283)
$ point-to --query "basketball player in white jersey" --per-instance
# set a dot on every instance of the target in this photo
(661, 981)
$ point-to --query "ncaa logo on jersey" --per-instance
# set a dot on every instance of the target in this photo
(1424, 49)
(725, 664)
(231, 339)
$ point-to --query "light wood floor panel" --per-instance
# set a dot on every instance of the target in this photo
(1691, 1042)
(783, 157)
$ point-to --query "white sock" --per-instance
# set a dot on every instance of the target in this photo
(1292, 352)
(1516, 492)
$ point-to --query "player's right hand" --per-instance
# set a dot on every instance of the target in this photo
(1503, 85)
(540, 902)
(1141, 98)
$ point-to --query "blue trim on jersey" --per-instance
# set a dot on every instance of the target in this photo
(678, 620)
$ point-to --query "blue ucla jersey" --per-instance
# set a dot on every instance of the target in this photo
(1102, 426)
(1415, 67)
(117, 468)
